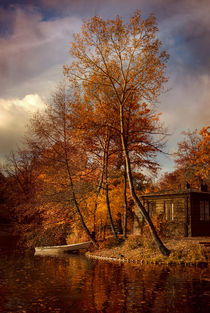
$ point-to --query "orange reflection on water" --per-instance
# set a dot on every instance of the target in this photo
(76, 284)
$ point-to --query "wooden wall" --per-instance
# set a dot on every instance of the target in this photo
(180, 213)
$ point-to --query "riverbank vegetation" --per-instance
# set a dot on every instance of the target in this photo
(138, 249)
(91, 154)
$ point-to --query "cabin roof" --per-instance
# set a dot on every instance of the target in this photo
(176, 193)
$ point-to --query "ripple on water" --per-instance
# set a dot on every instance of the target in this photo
(73, 283)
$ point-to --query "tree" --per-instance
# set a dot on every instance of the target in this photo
(192, 156)
(121, 66)
(192, 160)
(186, 152)
(202, 155)
(23, 166)
(4, 203)
(63, 155)
(171, 181)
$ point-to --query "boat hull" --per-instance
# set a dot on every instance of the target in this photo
(62, 249)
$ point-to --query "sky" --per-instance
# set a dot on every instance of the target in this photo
(35, 39)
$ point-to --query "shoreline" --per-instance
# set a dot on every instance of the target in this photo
(146, 262)
(135, 250)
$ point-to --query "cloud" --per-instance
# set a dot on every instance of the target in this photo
(35, 39)
(14, 115)
(186, 34)
(186, 105)
(33, 48)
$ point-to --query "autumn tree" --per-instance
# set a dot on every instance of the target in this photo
(5, 205)
(186, 152)
(22, 171)
(202, 155)
(63, 154)
(191, 162)
(23, 166)
(170, 181)
(99, 144)
(122, 66)
(192, 157)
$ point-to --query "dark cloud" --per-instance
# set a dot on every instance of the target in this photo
(33, 47)
(35, 35)
(6, 22)
(186, 20)
(187, 32)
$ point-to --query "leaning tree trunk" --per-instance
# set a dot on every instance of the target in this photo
(145, 214)
(92, 238)
(125, 203)
(71, 184)
(98, 192)
(84, 226)
(137, 202)
(107, 194)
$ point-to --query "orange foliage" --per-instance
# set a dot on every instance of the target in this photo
(202, 155)
(192, 162)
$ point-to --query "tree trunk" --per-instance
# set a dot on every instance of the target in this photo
(125, 203)
(98, 192)
(107, 192)
(137, 202)
(109, 213)
(91, 236)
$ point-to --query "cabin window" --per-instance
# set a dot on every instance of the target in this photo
(169, 210)
(151, 208)
(204, 210)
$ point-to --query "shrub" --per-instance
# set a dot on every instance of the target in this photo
(77, 235)
(133, 242)
(149, 243)
(109, 243)
(51, 236)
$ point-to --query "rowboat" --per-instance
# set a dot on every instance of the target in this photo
(63, 248)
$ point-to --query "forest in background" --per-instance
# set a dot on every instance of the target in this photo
(88, 158)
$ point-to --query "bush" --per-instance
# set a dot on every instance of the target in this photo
(109, 243)
(77, 235)
(50, 236)
(149, 243)
(187, 254)
(133, 242)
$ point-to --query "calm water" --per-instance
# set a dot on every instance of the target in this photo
(76, 284)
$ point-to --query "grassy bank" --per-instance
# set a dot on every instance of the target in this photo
(142, 250)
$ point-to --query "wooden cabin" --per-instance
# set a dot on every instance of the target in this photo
(181, 213)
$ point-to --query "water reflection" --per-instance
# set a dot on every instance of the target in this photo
(76, 284)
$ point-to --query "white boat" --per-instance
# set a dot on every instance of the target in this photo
(62, 249)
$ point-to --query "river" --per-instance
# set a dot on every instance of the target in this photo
(77, 284)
